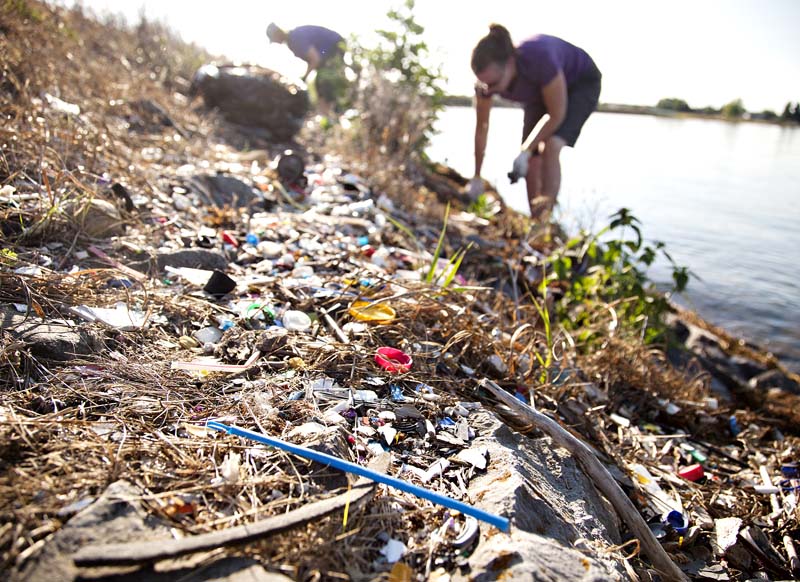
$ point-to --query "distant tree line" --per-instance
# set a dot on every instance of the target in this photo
(674, 104)
(791, 112)
(733, 110)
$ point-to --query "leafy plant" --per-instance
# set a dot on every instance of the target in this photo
(7, 256)
(483, 207)
(600, 273)
(439, 247)
(22, 9)
(544, 314)
(449, 273)
(453, 265)
(673, 104)
(791, 112)
(403, 59)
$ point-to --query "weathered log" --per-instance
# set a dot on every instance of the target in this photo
(152, 550)
(600, 476)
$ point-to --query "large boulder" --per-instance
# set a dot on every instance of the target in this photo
(50, 340)
(561, 524)
(253, 96)
(208, 260)
(220, 190)
(97, 218)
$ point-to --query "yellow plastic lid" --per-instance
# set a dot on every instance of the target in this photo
(374, 312)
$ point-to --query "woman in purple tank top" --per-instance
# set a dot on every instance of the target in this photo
(559, 86)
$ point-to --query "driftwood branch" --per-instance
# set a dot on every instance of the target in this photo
(599, 476)
(794, 562)
(149, 551)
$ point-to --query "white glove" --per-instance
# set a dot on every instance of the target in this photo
(474, 188)
(520, 168)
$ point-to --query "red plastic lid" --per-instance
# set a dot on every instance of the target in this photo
(692, 472)
(229, 238)
(393, 360)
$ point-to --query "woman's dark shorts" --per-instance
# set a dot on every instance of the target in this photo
(582, 98)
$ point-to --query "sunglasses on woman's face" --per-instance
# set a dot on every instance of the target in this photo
(492, 87)
(492, 80)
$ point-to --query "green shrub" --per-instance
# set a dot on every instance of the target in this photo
(399, 69)
(605, 273)
(21, 9)
(673, 104)
(734, 109)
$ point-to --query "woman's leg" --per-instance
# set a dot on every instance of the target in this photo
(583, 98)
(331, 84)
(544, 178)
(551, 168)
(533, 183)
(533, 180)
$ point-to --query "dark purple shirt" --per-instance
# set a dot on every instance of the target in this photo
(302, 38)
(539, 59)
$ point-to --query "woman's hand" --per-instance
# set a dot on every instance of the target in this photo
(520, 167)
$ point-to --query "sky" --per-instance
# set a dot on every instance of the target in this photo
(707, 52)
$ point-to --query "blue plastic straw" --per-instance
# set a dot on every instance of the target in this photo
(499, 522)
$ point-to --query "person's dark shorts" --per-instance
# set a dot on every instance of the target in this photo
(582, 99)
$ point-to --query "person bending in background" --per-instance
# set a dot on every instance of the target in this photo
(323, 51)
(559, 87)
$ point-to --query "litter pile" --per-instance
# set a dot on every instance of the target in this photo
(307, 324)
(200, 357)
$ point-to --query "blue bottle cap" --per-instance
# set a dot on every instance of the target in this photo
(734, 426)
(677, 521)
(791, 470)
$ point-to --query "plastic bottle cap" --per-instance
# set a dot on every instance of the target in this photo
(393, 360)
(791, 470)
(230, 238)
(375, 312)
(678, 521)
(692, 472)
(296, 320)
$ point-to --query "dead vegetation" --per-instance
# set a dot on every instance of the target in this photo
(70, 428)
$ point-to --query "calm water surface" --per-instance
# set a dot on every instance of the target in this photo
(724, 197)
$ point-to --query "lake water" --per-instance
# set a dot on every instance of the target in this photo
(724, 197)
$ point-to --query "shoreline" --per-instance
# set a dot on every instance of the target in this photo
(466, 101)
(769, 329)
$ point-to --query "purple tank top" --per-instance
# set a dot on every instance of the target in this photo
(323, 39)
(539, 59)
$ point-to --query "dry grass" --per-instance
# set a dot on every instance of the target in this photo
(128, 87)
(72, 430)
(67, 430)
